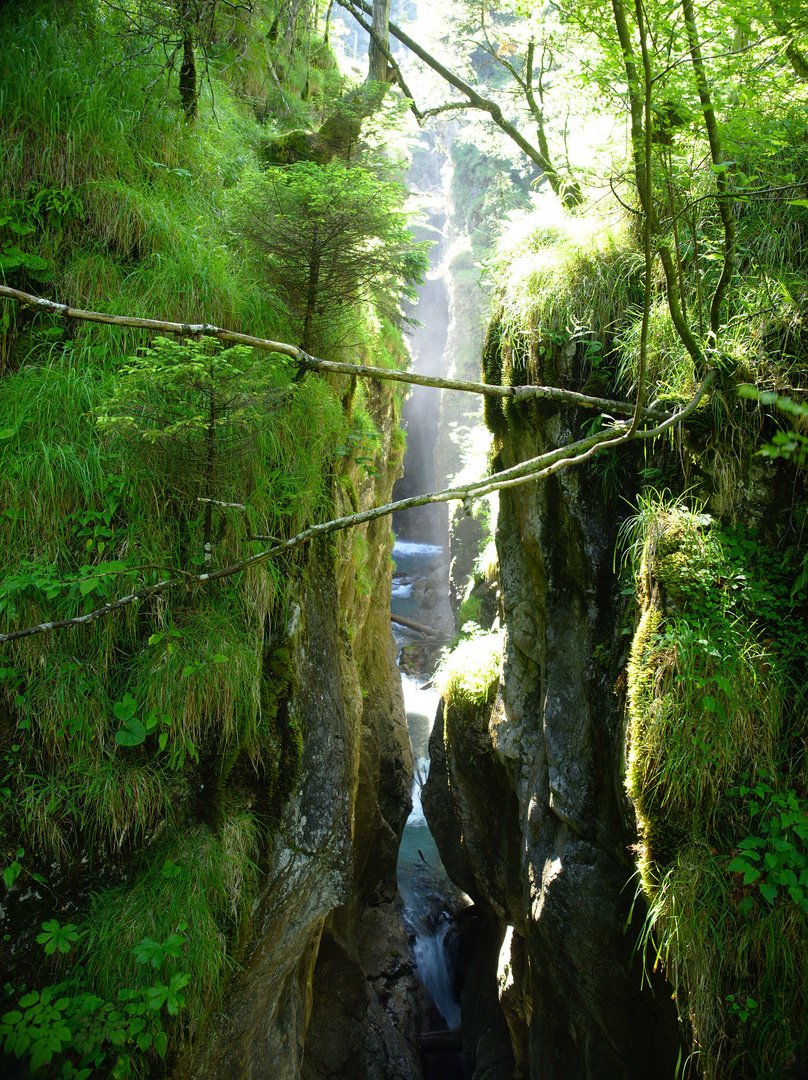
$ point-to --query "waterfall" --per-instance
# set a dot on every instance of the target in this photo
(429, 897)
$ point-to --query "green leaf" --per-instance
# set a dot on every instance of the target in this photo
(11, 873)
(126, 708)
(42, 1055)
(769, 892)
(133, 733)
(160, 1043)
(87, 585)
(156, 996)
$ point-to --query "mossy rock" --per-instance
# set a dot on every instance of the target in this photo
(677, 555)
(294, 146)
(493, 410)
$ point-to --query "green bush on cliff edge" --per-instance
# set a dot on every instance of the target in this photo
(717, 773)
(469, 674)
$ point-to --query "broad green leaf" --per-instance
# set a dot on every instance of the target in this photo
(132, 734)
(11, 873)
(88, 585)
(769, 892)
(126, 708)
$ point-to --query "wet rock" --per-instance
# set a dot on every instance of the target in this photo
(326, 989)
(526, 803)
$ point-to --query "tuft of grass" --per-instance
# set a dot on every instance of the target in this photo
(104, 804)
(198, 886)
(469, 674)
(568, 283)
(715, 703)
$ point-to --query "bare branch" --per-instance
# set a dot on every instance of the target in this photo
(525, 472)
(313, 363)
(569, 193)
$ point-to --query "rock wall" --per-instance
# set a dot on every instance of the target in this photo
(327, 988)
(527, 802)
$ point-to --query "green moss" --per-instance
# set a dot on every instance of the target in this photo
(493, 411)
(277, 757)
(640, 672)
(715, 698)
(295, 146)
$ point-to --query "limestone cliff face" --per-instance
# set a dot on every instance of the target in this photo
(527, 800)
(327, 989)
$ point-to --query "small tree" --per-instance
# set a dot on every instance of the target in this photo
(190, 412)
(332, 236)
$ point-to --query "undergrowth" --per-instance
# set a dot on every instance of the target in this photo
(718, 774)
(146, 758)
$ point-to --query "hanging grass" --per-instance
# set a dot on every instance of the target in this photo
(565, 282)
(715, 702)
(469, 674)
(197, 886)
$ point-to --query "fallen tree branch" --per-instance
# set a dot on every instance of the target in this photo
(525, 472)
(411, 624)
(313, 363)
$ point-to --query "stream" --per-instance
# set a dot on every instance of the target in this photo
(429, 897)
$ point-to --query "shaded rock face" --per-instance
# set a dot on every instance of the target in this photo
(526, 800)
(327, 989)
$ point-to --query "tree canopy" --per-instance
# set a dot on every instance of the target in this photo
(332, 236)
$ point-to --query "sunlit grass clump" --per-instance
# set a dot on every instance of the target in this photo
(469, 675)
(565, 281)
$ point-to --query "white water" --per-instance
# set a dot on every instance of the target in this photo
(431, 959)
(426, 891)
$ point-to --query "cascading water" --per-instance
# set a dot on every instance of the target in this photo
(429, 897)
(421, 595)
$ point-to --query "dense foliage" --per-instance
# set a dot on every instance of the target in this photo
(699, 266)
(146, 758)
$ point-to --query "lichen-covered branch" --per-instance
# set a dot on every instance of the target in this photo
(313, 363)
(525, 472)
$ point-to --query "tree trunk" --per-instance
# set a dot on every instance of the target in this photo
(377, 61)
(311, 301)
(189, 93)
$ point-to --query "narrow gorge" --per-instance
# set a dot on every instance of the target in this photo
(403, 517)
